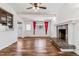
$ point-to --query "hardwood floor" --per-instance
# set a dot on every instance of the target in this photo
(34, 47)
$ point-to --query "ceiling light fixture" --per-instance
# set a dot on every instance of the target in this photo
(35, 8)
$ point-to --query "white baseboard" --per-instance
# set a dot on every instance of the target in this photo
(67, 49)
(35, 36)
(8, 44)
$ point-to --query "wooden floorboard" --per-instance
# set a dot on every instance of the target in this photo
(34, 47)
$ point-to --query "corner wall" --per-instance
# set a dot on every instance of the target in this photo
(70, 12)
(8, 37)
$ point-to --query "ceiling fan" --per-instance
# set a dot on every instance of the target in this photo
(36, 6)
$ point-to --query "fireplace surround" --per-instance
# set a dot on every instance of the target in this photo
(62, 33)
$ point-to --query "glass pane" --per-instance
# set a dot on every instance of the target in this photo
(28, 27)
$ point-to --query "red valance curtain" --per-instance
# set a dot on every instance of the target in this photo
(34, 26)
(46, 26)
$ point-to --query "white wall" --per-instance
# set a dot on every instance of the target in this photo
(76, 37)
(67, 13)
(8, 37)
(70, 33)
(26, 33)
(19, 30)
(53, 29)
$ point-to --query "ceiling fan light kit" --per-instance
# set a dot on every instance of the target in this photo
(36, 6)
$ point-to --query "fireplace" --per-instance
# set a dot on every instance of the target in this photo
(62, 33)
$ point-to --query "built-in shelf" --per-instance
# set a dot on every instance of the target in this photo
(6, 19)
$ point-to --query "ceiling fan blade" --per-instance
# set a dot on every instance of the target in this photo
(29, 8)
(43, 7)
(34, 4)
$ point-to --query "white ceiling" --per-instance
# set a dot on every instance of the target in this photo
(52, 8)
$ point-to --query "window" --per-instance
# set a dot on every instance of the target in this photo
(28, 27)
